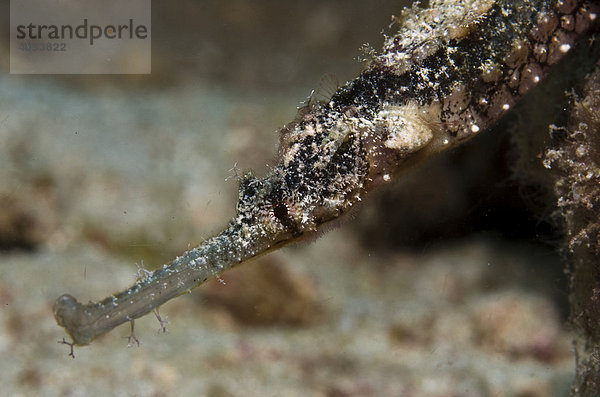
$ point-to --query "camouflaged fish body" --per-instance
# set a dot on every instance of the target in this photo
(449, 73)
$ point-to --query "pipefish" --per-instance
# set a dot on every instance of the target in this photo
(449, 73)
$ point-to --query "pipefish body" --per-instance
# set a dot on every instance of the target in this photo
(449, 73)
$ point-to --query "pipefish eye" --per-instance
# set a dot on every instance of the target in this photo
(282, 214)
(280, 211)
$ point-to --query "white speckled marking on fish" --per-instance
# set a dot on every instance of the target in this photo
(449, 73)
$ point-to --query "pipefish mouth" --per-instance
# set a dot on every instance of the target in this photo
(448, 74)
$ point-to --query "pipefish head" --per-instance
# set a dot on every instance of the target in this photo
(321, 173)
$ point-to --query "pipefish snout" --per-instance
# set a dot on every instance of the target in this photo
(447, 75)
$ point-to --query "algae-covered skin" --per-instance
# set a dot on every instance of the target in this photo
(575, 163)
(449, 73)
